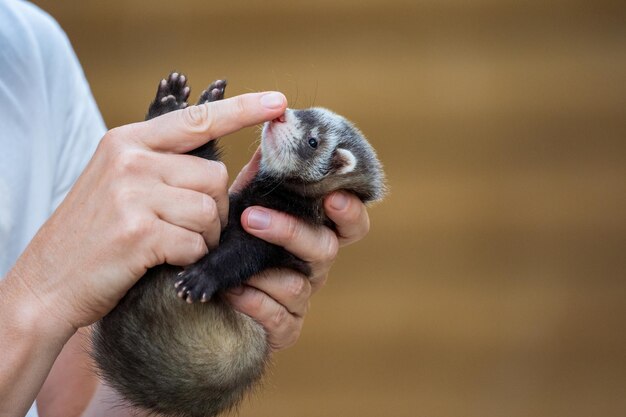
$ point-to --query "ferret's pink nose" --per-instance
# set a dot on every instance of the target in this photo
(280, 119)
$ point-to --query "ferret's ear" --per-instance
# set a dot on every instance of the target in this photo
(344, 161)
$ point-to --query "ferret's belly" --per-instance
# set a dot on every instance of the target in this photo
(174, 358)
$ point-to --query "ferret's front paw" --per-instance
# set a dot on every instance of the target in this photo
(214, 92)
(172, 94)
(193, 285)
(173, 91)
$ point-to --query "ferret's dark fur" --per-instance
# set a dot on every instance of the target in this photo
(198, 359)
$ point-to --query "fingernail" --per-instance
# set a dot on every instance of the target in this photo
(236, 290)
(339, 201)
(259, 219)
(272, 100)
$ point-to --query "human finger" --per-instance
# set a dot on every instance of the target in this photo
(184, 130)
(316, 245)
(193, 173)
(175, 245)
(282, 327)
(189, 209)
(349, 215)
(287, 287)
(247, 172)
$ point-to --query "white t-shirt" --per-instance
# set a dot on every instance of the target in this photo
(49, 124)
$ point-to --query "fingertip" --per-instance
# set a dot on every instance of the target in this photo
(273, 100)
(256, 219)
(338, 201)
(183, 130)
(349, 214)
(344, 207)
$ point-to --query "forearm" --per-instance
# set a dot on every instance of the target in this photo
(73, 389)
(71, 382)
(106, 403)
(30, 340)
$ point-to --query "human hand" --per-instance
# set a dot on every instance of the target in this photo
(279, 298)
(139, 203)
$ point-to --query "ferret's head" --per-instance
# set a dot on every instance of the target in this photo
(318, 151)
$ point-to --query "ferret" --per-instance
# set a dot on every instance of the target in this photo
(173, 346)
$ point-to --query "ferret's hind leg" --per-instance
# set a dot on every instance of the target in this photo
(172, 94)
(195, 283)
(214, 92)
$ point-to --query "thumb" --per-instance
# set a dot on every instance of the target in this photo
(184, 130)
(247, 172)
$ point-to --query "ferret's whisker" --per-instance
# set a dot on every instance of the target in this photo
(315, 94)
(295, 104)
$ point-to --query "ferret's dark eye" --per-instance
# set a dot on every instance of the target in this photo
(313, 143)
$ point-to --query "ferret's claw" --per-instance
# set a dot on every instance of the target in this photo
(195, 285)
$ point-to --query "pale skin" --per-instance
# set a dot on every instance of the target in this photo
(139, 203)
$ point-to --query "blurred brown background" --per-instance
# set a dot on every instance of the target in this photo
(493, 280)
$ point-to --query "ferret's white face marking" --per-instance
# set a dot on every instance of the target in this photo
(299, 144)
(316, 151)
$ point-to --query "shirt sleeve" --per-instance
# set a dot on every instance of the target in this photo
(80, 124)
(50, 122)
(83, 127)
(73, 114)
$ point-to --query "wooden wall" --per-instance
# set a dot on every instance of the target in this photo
(493, 282)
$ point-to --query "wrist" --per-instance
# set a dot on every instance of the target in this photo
(30, 340)
(31, 315)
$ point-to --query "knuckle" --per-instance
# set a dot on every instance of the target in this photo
(179, 249)
(257, 301)
(118, 138)
(130, 161)
(198, 118)
(113, 138)
(134, 228)
(289, 336)
(298, 287)
(220, 174)
(208, 207)
(321, 281)
(293, 229)
(239, 109)
(280, 316)
(330, 248)
(197, 246)
(124, 199)
(317, 284)
(295, 335)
